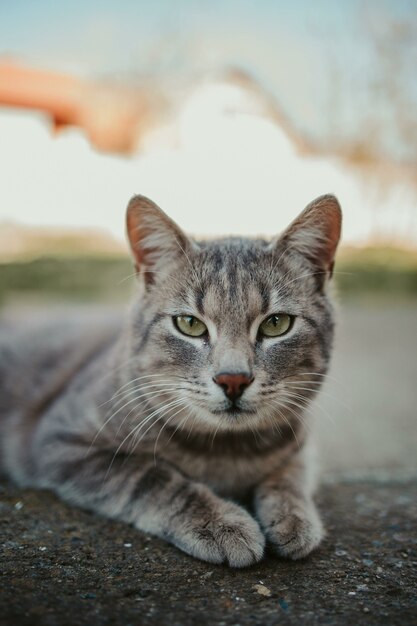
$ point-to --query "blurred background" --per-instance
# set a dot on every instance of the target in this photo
(231, 115)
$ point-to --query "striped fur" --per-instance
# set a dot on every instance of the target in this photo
(123, 416)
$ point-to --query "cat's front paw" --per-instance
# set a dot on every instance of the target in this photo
(233, 537)
(295, 535)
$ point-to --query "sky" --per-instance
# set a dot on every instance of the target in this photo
(315, 58)
(304, 52)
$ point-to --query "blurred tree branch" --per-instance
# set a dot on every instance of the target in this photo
(113, 118)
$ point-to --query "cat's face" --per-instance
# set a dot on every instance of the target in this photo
(234, 333)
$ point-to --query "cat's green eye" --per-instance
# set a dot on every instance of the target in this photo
(190, 325)
(276, 325)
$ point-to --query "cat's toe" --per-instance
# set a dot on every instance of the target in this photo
(234, 538)
(295, 536)
(242, 542)
(202, 545)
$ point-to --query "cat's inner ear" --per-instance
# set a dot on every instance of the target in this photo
(155, 240)
(315, 233)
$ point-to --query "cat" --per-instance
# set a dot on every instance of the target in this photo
(195, 403)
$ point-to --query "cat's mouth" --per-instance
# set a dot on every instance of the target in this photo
(234, 410)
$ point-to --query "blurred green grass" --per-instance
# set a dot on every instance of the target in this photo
(77, 279)
(376, 271)
(363, 273)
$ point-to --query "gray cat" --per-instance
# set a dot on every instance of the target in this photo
(196, 402)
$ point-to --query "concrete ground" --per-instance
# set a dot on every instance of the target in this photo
(61, 566)
(367, 412)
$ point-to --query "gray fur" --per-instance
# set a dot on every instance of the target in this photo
(122, 416)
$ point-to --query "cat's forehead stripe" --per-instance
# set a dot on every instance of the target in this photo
(235, 275)
(229, 298)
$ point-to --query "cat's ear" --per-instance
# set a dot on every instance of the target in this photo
(315, 233)
(155, 240)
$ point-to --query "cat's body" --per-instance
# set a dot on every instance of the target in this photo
(200, 397)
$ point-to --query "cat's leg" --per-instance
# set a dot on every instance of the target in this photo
(158, 499)
(286, 511)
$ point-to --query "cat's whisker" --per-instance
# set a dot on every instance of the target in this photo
(272, 421)
(197, 278)
(195, 419)
(116, 393)
(153, 271)
(182, 422)
(216, 430)
(139, 388)
(293, 378)
(322, 377)
(150, 395)
(319, 374)
(154, 393)
(322, 393)
(135, 408)
(123, 366)
(150, 378)
(165, 410)
(182, 408)
(306, 404)
(314, 385)
(154, 412)
(123, 280)
(286, 250)
(310, 397)
(156, 378)
(278, 408)
(257, 433)
(113, 415)
(286, 284)
(148, 418)
(253, 431)
(312, 391)
(306, 275)
(289, 247)
(156, 390)
(299, 415)
(134, 430)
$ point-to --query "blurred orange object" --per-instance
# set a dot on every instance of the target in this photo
(112, 118)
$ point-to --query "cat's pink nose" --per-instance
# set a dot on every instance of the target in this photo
(233, 384)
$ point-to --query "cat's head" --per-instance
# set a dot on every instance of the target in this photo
(234, 332)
